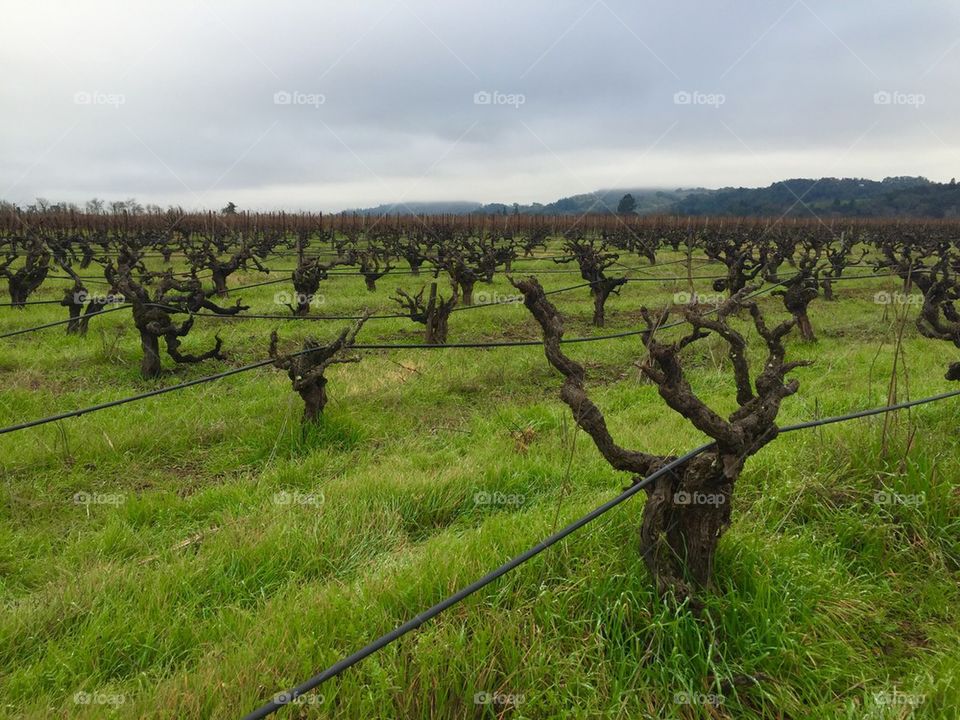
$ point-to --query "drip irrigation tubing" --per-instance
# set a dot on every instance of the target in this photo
(285, 698)
(265, 316)
(358, 346)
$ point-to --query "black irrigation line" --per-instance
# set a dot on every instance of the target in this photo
(346, 317)
(185, 273)
(358, 346)
(517, 343)
(268, 361)
(334, 254)
(35, 328)
(11, 304)
(395, 316)
(141, 396)
(246, 316)
(425, 272)
(92, 279)
(337, 668)
(308, 253)
(531, 343)
(351, 274)
(285, 278)
(266, 316)
(347, 273)
(229, 290)
(461, 308)
(398, 315)
(673, 278)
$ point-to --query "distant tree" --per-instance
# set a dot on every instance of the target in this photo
(41, 205)
(230, 209)
(94, 206)
(130, 205)
(627, 205)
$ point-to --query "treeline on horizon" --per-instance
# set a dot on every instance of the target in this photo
(915, 197)
(892, 197)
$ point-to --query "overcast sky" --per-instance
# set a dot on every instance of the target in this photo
(331, 105)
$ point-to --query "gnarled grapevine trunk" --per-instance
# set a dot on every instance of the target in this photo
(805, 326)
(827, 286)
(465, 286)
(314, 395)
(601, 291)
(73, 301)
(153, 317)
(687, 509)
(434, 313)
(437, 330)
(18, 294)
(684, 517)
(219, 281)
(306, 368)
(93, 307)
(150, 364)
(593, 259)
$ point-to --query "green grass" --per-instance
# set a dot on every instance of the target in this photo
(239, 555)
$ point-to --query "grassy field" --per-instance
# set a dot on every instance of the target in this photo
(220, 555)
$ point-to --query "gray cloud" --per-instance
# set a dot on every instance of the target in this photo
(175, 103)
